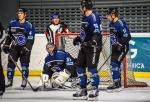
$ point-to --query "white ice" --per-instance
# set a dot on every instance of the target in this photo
(126, 95)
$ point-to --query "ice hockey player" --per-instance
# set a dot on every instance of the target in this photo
(18, 44)
(55, 27)
(120, 37)
(2, 78)
(58, 67)
(88, 57)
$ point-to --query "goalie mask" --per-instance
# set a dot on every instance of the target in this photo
(50, 47)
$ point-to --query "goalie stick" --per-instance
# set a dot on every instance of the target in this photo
(33, 89)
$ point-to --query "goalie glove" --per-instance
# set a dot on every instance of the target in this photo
(62, 77)
(44, 80)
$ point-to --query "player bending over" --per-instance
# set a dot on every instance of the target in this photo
(120, 37)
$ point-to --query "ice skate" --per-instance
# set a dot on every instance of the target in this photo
(1, 94)
(116, 87)
(93, 94)
(24, 83)
(9, 83)
(81, 94)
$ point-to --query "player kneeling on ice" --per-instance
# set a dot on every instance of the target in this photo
(58, 67)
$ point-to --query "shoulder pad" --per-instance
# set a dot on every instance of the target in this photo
(60, 51)
(13, 20)
(30, 24)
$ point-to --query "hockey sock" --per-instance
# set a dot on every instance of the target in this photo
(82, 76)
(10, 70)
(116, 71)
(25, 70)
(94, 78)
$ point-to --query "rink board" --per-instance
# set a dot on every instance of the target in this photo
(38, 54)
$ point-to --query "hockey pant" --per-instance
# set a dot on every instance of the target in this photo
(24, 60)
(117, 57)
(88, 57)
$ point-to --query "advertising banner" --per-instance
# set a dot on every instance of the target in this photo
(140, 53)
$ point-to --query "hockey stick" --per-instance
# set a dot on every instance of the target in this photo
(104, 62)
(33, 89)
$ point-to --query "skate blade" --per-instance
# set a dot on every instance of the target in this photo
(80, 98)
(1, 96)
(93, 99)
(114, 90)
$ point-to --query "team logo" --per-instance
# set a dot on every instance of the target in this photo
(114, 39)
(21, 40)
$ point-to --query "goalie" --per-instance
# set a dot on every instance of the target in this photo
(58, 67)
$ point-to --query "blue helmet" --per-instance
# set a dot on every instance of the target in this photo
(55, 15)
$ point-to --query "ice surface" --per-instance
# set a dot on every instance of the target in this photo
(125, 95)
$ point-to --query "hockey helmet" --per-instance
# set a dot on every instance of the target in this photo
(22, 10)
(52, 44)
(55, 15)
(112, 11)
(87, 4)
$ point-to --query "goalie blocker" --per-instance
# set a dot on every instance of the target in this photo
(58, 67)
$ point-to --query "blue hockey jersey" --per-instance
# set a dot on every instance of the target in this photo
(20, 33)
(58, 61)
(119, 32)
(90, 26)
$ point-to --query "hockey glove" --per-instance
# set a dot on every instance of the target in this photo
(125, 40)
(25, 51)
(6, 49)
(119, 47)
(76, 41)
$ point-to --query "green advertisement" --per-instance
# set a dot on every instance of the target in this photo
(140, 54)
